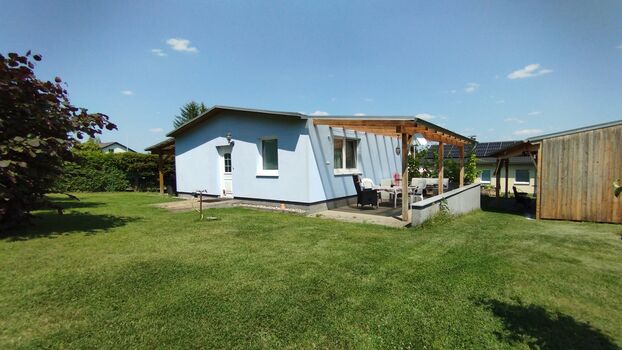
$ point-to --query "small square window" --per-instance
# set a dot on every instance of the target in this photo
(338, 153)
(351, 154)
(486, 175)
(522, 176)
(270, 154)
(345, 153)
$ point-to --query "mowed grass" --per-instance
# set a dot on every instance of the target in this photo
(114, 272)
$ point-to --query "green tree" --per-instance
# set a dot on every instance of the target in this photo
(470, 168)
(39, 127)
(188, 112)
(90, 145)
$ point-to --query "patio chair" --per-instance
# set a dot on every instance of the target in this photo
(364, 196)
(417, 187)
(384, 195)
(521, 197)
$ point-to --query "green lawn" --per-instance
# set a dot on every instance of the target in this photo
(114, 272)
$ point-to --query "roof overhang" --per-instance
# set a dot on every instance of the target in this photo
(165, 147)
(217, 109)
(394, 126)
(524, 148)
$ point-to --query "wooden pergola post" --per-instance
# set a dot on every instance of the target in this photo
(498, 178)
(161, 173)
(441, 170)
(405, 196)
(507, 175)
(539, 182)
(461, 166)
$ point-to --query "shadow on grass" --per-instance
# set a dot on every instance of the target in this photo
(508, 206)
(50, 225)
(538, 328)
(73, 204)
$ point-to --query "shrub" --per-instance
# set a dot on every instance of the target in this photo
(95, 171)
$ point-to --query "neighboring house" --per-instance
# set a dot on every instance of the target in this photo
(283, 157)
(114, 147)
(521, 171)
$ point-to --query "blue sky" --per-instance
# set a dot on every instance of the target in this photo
(495, 69)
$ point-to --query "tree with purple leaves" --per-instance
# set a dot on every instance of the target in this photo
(38, 126)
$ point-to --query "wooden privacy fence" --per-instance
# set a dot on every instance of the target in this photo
(578, 171)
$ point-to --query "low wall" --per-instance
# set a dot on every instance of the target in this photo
(459, 201)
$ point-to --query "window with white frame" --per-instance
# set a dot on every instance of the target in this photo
(345, 152)
(521, 176)
(486, 175)
(269, 154)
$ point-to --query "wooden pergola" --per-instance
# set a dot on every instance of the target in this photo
(165, 151)
(404, 128)
(525, 148)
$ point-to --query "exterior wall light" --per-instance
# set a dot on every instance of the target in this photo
(398, 150)
(229, 137)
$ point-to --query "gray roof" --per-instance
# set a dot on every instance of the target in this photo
(217, 109)
(574, 131)
(162, 144)
(106, 144)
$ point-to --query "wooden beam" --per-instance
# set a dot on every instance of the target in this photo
(359, 122)
(390, 127)
(161, 173)
(441, 168)
(498, 178)
(433, 135)
(539, 181)
(507, 175)
(461, 166)
(405, 197)
(385, 131)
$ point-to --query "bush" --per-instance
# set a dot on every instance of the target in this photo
(95, 171)
(77, 178)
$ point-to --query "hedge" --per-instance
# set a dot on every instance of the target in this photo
(102, 172)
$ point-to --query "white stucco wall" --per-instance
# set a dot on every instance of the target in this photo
(114, 148)
(305, 156)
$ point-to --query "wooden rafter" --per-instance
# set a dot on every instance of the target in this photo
(394, 127)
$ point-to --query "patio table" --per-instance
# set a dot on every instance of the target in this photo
(394, 190)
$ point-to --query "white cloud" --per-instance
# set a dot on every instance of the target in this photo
(158, 52)
(534, 113)
(619, 47)
(368, 99)
(156, 130)
(179, 44)
(127, 92)
(471, 87)
(499, 102)
(525, 132)
(513, 120)
(360, 114)
(319, 113)
(530, 70)
(425, 116)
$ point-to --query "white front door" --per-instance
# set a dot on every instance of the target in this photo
(227, 174)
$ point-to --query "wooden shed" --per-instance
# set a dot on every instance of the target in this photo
(575, 172)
